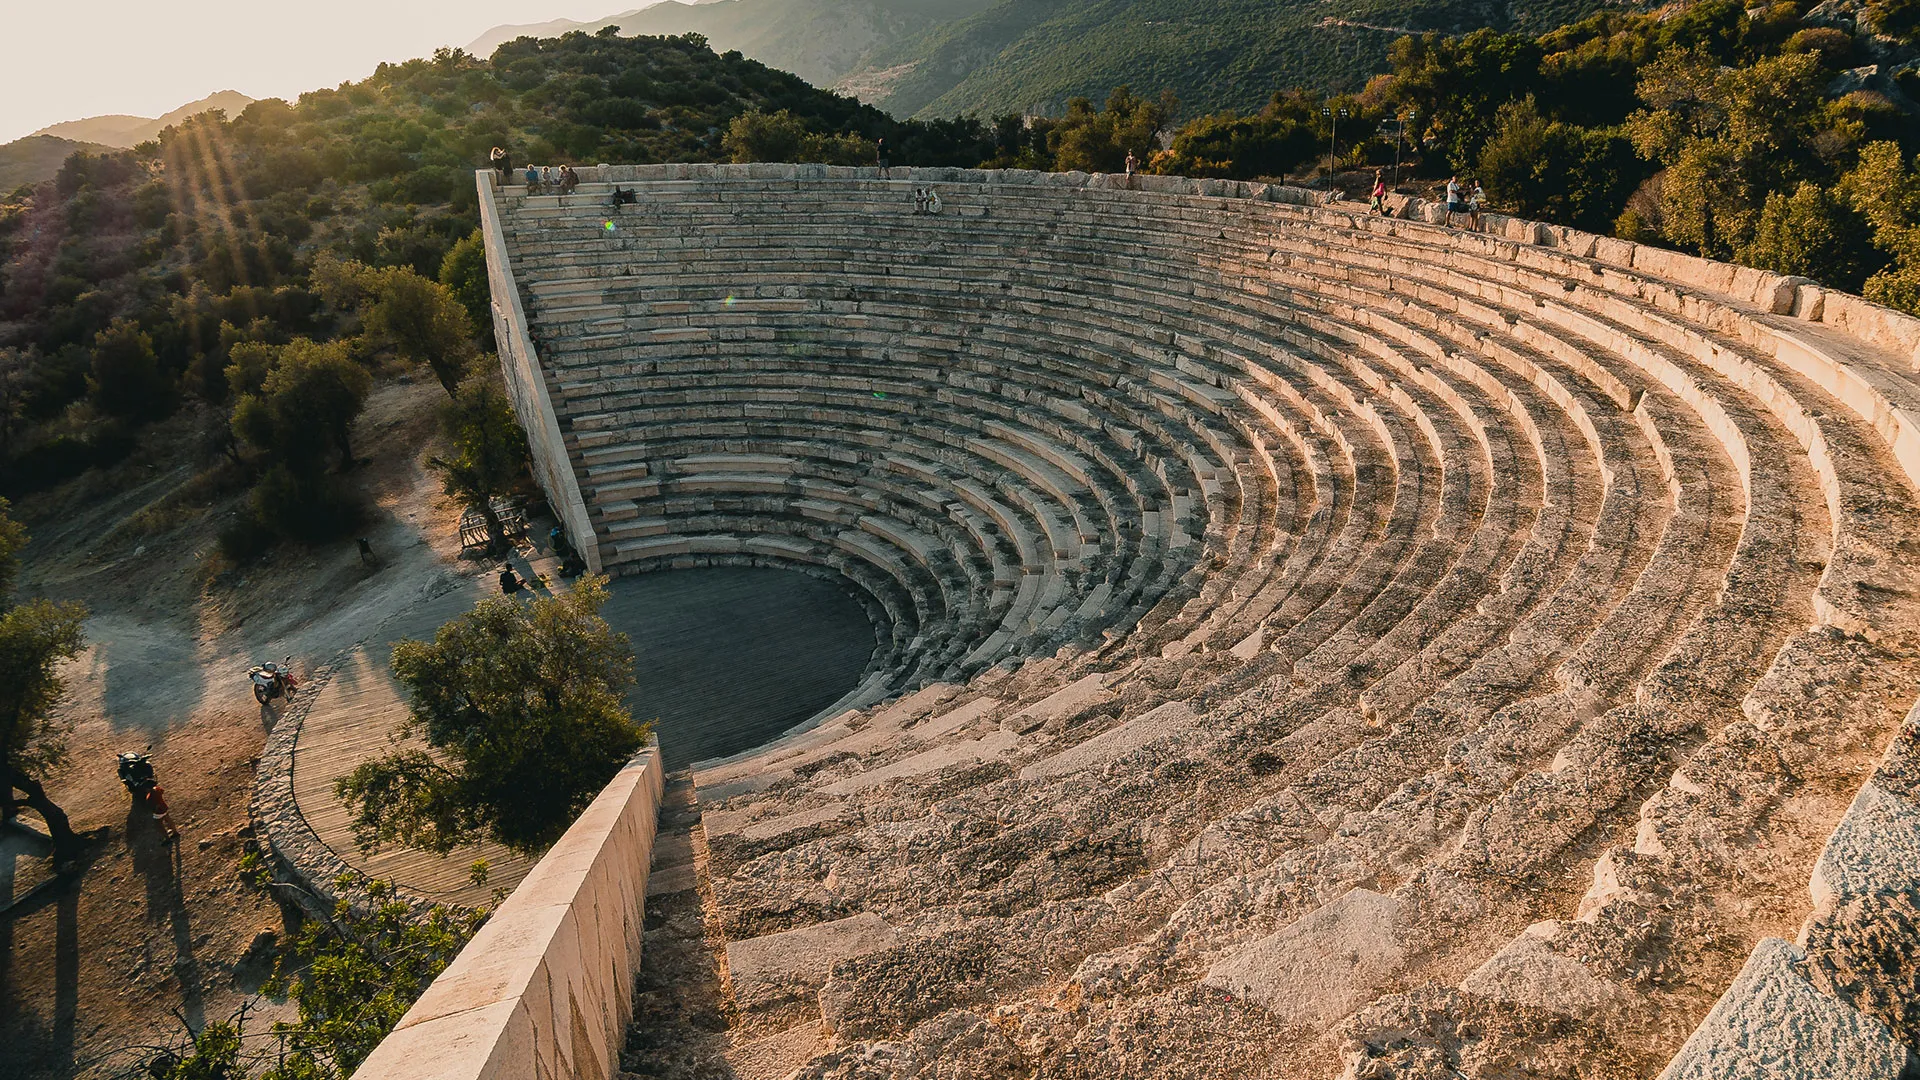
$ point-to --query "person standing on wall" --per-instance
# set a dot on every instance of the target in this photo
(1378, 205)
(1454, 205)
(1476, 198)
(880, 158)
(1133, 163)
(501, 162)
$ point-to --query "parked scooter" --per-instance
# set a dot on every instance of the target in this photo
(136, 771)
(271, 680)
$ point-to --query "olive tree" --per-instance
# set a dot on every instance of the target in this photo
(294, 408)
(420, 320)
(350, 975)
(486, 453)
(306, 402)
(520, 707)
(35, 636)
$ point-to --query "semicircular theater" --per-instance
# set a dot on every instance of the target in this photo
(1307, 611)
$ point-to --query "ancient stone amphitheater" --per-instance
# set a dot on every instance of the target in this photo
(1310, 644)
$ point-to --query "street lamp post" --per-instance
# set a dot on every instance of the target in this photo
(1399, 130)
(1332, 136)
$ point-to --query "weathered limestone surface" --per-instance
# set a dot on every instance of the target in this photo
(1772, 1023)
(1322, 967)
(1527, 972)
(796, 961)
(1876, 848)
(1286, 612)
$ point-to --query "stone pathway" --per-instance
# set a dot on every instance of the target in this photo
(353, 719)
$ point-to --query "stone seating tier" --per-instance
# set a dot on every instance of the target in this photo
(1300, 623)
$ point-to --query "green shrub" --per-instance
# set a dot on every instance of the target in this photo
(64, 457)
(244, 539)
(309, 507)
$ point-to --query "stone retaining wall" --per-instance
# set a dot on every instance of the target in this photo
(306, 870)
(545, 989)
(527, 386)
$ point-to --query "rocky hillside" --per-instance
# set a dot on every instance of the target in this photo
(822, 41)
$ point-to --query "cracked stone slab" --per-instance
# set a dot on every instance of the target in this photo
(1116, 742)
(985, 748)
(1322, 967)
(796, 961)
(1076, 695)
(1529, 972)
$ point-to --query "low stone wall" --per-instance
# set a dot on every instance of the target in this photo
(527, 386)
(545, 990)
(296, 856)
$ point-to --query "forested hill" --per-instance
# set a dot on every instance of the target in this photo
(1032, 55)
(1782, 137)
(952, 57)
(126, 280)
(821, 41)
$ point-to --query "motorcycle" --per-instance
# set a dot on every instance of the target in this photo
(136, 772)
(271, 680)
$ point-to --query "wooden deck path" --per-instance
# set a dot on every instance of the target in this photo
(351, 721)
(726, 658)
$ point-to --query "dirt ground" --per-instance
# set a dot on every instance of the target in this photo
(152, 938)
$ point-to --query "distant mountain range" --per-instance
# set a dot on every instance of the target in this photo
(934, 58)
(485, 44)
(124, 132)
(38, 156)
(822, 41)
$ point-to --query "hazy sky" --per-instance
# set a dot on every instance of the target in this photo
(65, 59)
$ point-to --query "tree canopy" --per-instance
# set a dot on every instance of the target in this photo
(350, 976)
(519, 705)
(35, 637)
(1718, 129)
(487, 451)
(126, 281)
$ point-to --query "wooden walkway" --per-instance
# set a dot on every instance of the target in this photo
(725, 658)
(353, 720)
